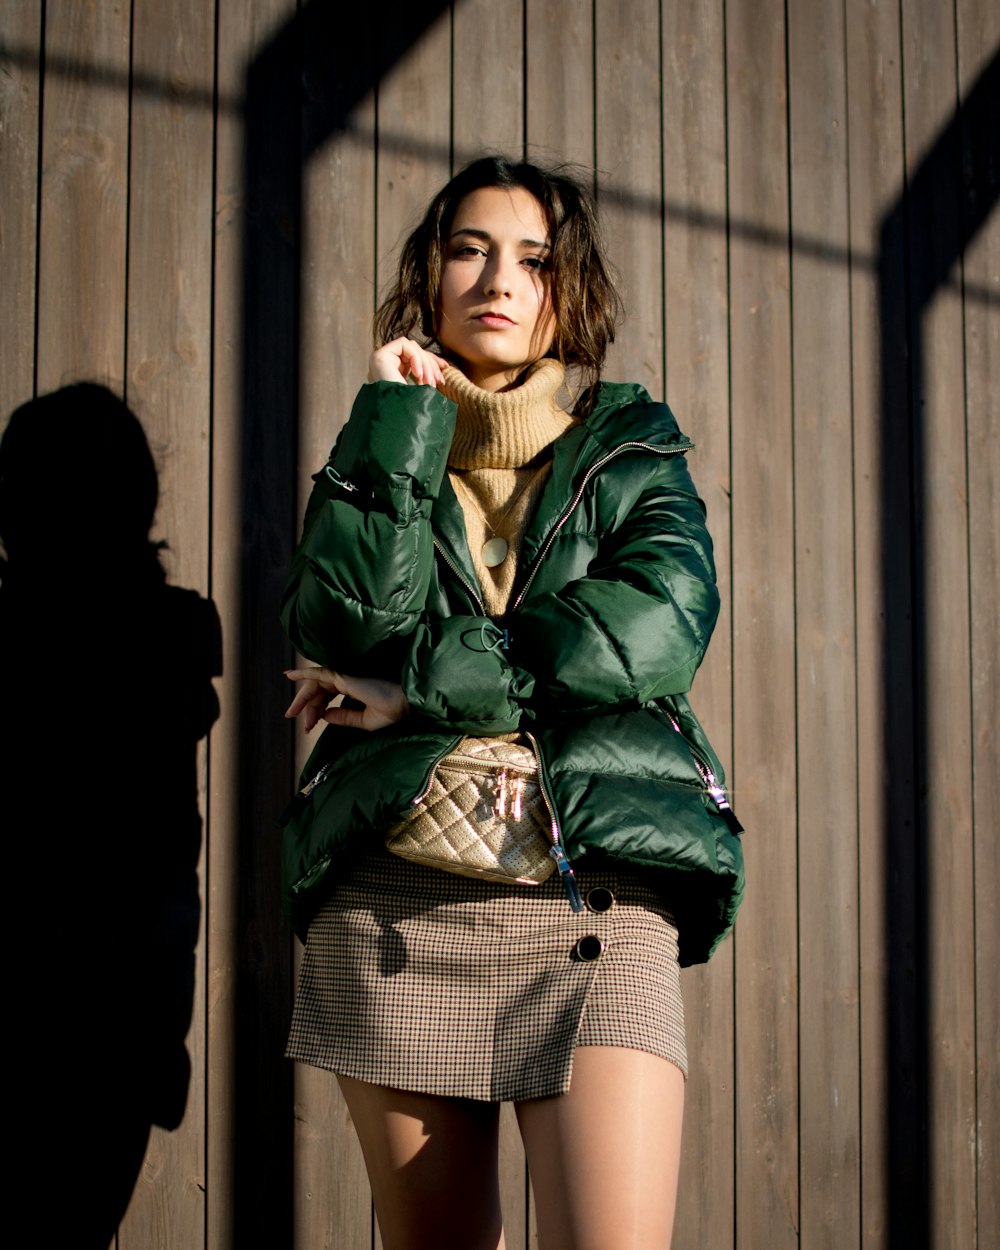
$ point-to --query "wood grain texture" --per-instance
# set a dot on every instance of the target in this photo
(170, 254)
(82, 244)
(249, 1104)
(628, 159)
(941, 618)
(20, 50)
(488, 82)
(978, 32)
(876, 173)
(414, 137)
(829, 1082)
(559, 54)
(767, 1179)
(168, 362)
(697, 374)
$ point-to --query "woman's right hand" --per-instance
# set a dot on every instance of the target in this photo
(380, 703)
(403, 359)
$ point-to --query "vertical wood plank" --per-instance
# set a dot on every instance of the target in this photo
(81, 271)
(168, 357)
(20, 48)
(332, 1197)
(170, 254)
(978, 47)
(876, 176)
(488, 79)
(249, 1136)
(414, 136)
(559, 55)
(627, 42)
(697, 371)
(222, 825)
(829, 1087)
(763, 627)
(941, 613)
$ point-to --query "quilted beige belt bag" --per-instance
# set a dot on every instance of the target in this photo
(484, 815)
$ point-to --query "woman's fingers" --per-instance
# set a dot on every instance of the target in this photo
(384, 702)
(402, 359)
(319, 686)
(351, 717)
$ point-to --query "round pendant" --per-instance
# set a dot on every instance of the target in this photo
(494, 552)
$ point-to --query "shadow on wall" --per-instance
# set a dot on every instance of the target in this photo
(106, 689)
(948, 200)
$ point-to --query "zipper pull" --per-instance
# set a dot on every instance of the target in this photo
(567, 877)
(725, 808)
(310, 786)
(501, 804)
(518, 787)
(300, 801)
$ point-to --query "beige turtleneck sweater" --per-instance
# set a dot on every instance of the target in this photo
(499, 462)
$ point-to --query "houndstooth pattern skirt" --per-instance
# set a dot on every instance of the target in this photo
(422, 980)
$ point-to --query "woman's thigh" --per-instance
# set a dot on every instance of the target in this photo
(432, 1163)
(604, 1157)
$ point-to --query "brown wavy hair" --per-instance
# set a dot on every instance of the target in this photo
(584, 294)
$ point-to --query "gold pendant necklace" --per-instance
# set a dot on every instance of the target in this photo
(494, 551)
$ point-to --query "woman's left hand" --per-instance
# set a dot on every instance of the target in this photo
(384, 701)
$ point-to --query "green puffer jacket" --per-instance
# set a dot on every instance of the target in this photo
(612, 609)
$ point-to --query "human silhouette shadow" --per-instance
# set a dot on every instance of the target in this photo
(106, 689)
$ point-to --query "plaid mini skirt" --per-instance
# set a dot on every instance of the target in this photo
(422, 980)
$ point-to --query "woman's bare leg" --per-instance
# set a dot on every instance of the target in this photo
(432, 1163)
(604, 1157)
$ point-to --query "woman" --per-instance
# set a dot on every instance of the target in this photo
(485, 560)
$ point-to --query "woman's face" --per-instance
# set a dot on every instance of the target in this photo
(495, 314)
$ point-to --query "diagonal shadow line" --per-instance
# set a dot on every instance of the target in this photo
(173, 91)
(954, 191)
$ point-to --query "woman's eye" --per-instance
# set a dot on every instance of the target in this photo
(536, 262)
(469, 249)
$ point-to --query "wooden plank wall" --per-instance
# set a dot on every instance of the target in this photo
(198, 205)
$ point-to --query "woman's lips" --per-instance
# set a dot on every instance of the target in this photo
(495, 321)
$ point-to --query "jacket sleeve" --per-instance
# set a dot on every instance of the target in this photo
(634, 629)
(361, 572)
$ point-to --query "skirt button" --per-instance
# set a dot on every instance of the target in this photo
(589, 948)
(600, 899)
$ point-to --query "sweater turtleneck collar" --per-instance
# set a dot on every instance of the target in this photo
(505, 429)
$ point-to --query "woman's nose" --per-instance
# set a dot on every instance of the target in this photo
(496, 279)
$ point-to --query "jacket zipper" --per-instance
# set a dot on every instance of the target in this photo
(310, 786)
(557, 850)
(709, 780)
(657, 451)
(461, 577)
